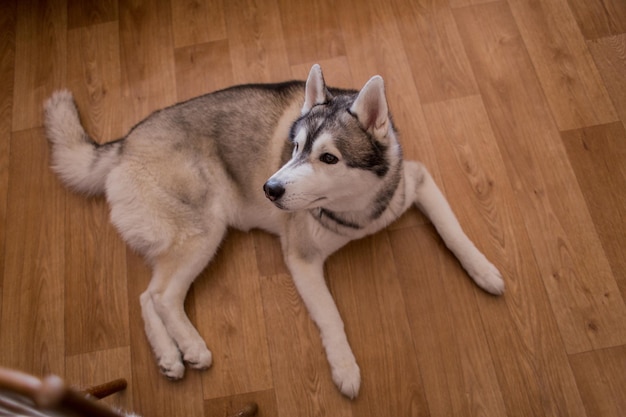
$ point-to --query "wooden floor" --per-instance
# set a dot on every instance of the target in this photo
(517, 107)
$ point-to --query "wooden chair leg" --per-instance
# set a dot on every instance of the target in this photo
(24, 394)
(54, 393)
(104, 390)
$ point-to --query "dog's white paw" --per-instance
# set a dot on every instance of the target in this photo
(172, 366)
(60, 98)
(347, 376)
(198, 357)
(489, 278)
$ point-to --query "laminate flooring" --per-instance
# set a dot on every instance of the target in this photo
(517, 107)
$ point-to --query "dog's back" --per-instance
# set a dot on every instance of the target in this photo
(239, 127)
(208, 155)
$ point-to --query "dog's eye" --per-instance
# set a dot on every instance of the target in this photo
(328, 158)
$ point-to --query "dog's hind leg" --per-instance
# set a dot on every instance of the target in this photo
(163, 346)
(434, 205)
(168, 328)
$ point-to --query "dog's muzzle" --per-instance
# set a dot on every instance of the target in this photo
(273, 190)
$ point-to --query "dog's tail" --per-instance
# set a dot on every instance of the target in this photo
(81, 163)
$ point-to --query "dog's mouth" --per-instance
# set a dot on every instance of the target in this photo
(279, 205)
(313, 204)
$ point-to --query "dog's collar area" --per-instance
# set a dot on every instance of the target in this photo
(332, 221)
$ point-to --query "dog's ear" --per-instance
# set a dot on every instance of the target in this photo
(370, 108)
(315, 91)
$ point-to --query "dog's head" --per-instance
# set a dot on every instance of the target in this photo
(344, 145)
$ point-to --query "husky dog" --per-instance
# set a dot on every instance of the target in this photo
(317, 166)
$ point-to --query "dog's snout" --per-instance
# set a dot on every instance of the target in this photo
(273, 190)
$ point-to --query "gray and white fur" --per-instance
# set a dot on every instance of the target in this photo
(317, 166)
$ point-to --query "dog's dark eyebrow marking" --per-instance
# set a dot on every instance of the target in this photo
(294, 125)
(311, 136)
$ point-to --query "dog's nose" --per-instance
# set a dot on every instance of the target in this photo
(273, 190)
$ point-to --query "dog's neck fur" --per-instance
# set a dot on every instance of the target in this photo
(347, 223)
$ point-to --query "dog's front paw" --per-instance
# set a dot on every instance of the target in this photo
(198, 357)
(489, 278)
(347, 377)
(59, 100)
(172, 366)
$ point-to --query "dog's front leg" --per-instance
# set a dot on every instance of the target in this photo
(433, 204)
(308, 276)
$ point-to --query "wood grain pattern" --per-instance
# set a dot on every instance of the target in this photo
(95, 274)
(233, 324)
(464, 3)
(529, 349)
(197, 22)
(83, 13)
(202, 68)
(93, 77)
(33, 296)
(570, 80)
(336, 72)
(609, 55)
(599, 18)
(269, 254)
(434, 50)
(516, 107)
(40, 64)
(577, 276)
(146, 59)
(371, 300)
(7, 64)
(452, 351)
(601, 381)
(598, 156)
(310, 33)
(299, 366)
(261, 55)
